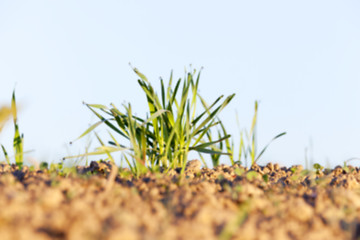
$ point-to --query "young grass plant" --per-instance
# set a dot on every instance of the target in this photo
(18, 138)
(247, 146)
(178, 132)
(170, 132)
(251, 140)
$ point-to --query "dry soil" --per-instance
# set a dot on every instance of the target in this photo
(228, 202)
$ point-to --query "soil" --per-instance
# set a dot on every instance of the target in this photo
(227, 202)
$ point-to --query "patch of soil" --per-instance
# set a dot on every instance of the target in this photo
(227, 202)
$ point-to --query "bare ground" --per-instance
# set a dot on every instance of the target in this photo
(103, 202)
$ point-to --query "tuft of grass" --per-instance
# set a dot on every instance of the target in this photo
(172, 127)
(18, 140)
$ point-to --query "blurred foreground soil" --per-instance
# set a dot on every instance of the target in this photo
(103, 202)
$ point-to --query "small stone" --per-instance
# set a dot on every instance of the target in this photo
(276, 167)
(270, 166)
(193, 165)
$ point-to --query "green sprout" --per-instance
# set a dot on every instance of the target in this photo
(247, 146)
(18, 140)
(318, 168)
(251, 149)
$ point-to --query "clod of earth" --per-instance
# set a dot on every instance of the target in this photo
(228, 202)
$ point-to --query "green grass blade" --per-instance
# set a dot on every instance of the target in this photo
(104, 148)
(229, 147)
(201, 133)
(153, 116)
(264, 149)
(204, 145)
(209, 151)
(214, 113)
(99, 106)
(132, 169)
(87, 131)
(98, 151)
(6, 155)
(253, 135)
(194, 95)
(162, 93)
(13, 107)
(18, 138)
(173, 94)
(142, 76)
(203, 160)
(106, 121)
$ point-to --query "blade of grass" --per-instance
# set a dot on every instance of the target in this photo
(6, 155)
(18, 138)
(204, 145)
(264, 149)
(253, 135)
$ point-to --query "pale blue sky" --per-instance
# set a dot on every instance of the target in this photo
(300, 59)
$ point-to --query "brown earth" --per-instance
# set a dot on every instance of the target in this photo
(101, 202)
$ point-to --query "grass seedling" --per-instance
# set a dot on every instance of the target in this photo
(251, 140)
(170, 131)
(18, 140)
(318, 168)
(247, 146)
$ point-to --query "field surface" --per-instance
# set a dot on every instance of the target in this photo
(102, 201)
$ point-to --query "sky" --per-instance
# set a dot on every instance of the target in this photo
(299, 59)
